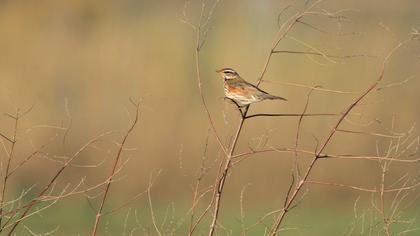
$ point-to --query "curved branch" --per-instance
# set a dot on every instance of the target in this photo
(114, 168)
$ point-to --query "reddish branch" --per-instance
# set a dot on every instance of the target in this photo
(297, 169)
(229, 151)
(281, 34)
(285, 28)
(291, 197)
(114, 168)
(199, 44)
(38, 198)
(243, 156)
(222, 180)
(380, 190)
(9, 161)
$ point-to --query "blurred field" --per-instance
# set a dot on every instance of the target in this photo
(78, 63)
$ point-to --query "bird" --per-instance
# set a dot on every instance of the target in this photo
(240, 91)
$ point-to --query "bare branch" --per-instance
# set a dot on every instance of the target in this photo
(9, 161)
(152, 213)
(323, 54)
(290, 115)
(114, 167)
(299, 186)
(52, 181)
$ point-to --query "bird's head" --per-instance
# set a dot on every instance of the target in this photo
(228, 73)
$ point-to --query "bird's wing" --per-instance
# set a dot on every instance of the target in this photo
(253, 88)
(261, 93)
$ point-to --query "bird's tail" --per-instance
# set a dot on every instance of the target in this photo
(272, 97)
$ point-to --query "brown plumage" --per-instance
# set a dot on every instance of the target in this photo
(242, 92)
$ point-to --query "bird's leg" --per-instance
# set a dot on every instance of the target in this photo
(237, 105)
(240, 110)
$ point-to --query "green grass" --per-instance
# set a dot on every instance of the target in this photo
(75, 217)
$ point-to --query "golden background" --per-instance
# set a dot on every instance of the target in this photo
(77, 63)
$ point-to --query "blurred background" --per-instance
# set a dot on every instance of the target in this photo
(75, 65)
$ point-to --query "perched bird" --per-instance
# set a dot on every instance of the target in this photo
(242, 92)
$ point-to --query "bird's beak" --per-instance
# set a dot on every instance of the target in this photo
(218, 71)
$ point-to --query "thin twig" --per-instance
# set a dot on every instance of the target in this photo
(52, 181)
(317, 88)
(283, 31)
(197, 193)
(114, 167)
(9, 161)
(290, 115)
(199, 44)
(323, 54)
(29, 157)
(149, 197)
(297, 169)
(281, 34)
(299, 186)
(242, 156)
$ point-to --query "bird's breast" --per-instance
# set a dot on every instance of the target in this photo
(235, 89)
